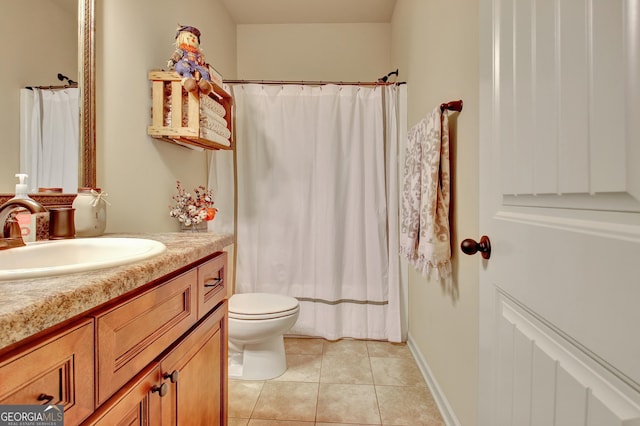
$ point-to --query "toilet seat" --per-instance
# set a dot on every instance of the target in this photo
(260, 306)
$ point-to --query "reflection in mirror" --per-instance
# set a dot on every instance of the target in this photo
(49, 42)
(49, 124)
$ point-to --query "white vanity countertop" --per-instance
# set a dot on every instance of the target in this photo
(31, 305)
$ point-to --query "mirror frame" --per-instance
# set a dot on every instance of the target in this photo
(87, 84)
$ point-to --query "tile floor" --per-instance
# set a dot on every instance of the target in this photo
(347, 382)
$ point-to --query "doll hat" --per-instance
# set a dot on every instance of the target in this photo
(192, 30)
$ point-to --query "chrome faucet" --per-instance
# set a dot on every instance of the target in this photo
(11, 234)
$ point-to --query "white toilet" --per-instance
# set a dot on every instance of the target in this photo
(257, 322)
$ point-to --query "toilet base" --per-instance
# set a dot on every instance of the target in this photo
(259, 361)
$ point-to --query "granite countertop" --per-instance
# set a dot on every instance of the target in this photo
(31, 305)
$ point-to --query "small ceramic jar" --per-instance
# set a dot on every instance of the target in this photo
(91, 212)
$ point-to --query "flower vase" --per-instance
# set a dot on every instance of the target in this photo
(194, 227)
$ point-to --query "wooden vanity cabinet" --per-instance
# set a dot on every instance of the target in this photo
(185, 386)
(157, 357)
(182, 383)
(56, 370)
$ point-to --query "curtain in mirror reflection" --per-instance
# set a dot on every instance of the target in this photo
(49, 127)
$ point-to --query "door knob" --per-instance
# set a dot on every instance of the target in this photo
(470, 247)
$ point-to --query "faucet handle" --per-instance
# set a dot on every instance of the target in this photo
(12, 228)
(12, 234)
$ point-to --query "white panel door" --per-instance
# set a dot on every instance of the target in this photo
(560, 202)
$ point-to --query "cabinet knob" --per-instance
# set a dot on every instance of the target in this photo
(46, 398)
(162, 389)
(173, 376)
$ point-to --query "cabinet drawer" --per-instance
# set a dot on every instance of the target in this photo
(131, 335)
(57, 371)
(212, 284)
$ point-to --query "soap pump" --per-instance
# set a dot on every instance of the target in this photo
(22, 188)
(23, 222)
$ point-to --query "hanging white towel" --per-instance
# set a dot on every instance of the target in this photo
(424, 221)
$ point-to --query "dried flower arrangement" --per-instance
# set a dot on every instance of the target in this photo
(190, 210)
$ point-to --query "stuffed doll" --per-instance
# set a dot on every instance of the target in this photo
(189, 62)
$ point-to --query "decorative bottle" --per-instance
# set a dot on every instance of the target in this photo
(91, 212)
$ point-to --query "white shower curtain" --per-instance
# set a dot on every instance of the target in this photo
(317, 204)
(49, 138)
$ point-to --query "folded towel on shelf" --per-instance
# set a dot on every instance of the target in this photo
(209, 103)
(207, 120)
(424, 227)
(214, 137)
(214, 116)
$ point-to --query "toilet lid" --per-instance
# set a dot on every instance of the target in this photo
(261, 305)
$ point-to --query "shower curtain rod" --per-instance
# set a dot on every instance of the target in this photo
(66, 86)
(70, 84)
(314, 83)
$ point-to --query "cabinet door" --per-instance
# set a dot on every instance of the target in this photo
(137, 403)
(196, 370)
(57, 371)
(133, 334)
(212, 283)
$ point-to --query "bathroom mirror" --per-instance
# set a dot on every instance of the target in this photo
(84, 55)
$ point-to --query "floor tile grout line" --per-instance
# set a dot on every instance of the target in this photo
(255, 404)
(375, 389)
(315, 417)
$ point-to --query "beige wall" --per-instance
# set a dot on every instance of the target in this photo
(139, 173)
(434, 43)
(39, 40)
(334, 52)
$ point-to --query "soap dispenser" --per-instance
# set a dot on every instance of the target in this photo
(21, 187)
(26, 220)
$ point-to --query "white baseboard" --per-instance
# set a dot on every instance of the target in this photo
(448, 415)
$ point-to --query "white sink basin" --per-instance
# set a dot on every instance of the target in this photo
(49, 258)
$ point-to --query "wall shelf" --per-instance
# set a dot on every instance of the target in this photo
(176, 114)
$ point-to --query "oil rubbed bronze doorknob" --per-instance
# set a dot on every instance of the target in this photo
(470, 247)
